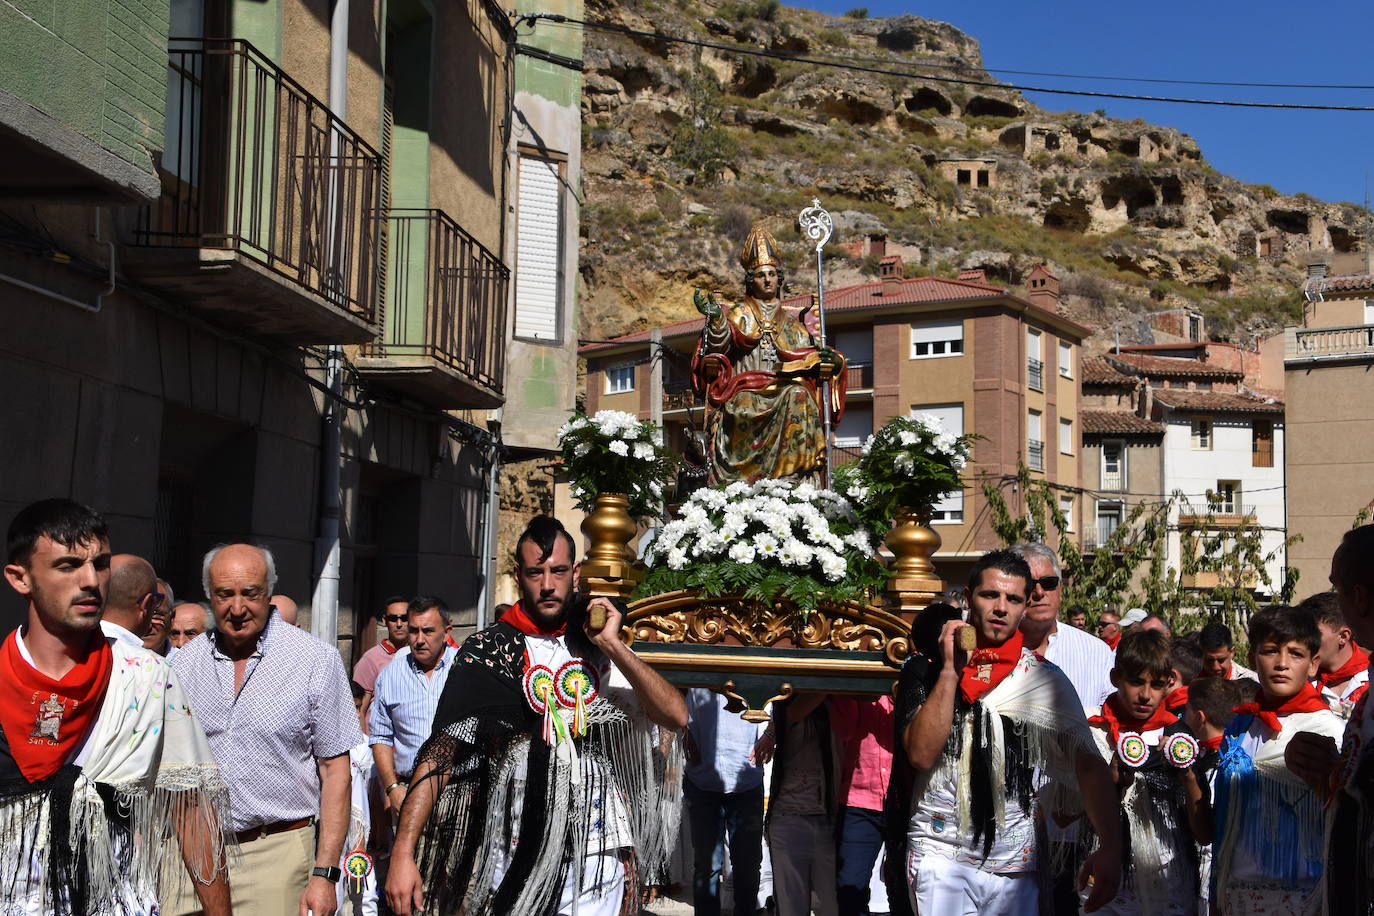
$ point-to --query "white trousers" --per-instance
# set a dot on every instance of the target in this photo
(942, 887)
(603, 897)
(802, 850)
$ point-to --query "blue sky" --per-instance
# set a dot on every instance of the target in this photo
(1324, 153)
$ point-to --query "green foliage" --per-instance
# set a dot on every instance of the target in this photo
(740, 10)
(700, 143)
(858, 12)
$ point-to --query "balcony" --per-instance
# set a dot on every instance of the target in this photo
(680, 396)
(263, 224)
(1355, 342)
(1113, 481)
(1035, 374)
(1226, 515)
(1035, 456)
(858, 378)
(1095, 537)
(443, 314)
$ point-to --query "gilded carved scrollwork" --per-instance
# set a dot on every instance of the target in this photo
(682, 617)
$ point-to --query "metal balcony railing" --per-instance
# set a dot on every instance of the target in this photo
(1036, 455)
(254, 163)
(1035, 374)
(1113, 481)
(859, 377)
(445, 297)
(1223, 510)
(679, 396)
(1096, 536)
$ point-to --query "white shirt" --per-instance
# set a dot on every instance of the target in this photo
(115, 631)
(1086, 660)
(1239, 671)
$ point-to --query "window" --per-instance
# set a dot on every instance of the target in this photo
(1114, 466)
(1156, 383)
(1066, 437)
(931, 339)
(983, 178)
(855, 427)
(1066, 510)
(1108, 520)
(620, 379)
(1035, 368)
(1202, 434)
(1065, 360)
(1262, 444)
(1194, 327)
(1369, 311)
(1203, 386)
(963, 176)
(951, 416)
(1035, 446)
(539, 249)
(1228, 497)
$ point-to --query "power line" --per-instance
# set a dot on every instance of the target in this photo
(883, 71)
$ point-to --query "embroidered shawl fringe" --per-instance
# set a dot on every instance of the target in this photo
(1278, 818)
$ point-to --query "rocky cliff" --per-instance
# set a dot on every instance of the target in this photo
(685, 145)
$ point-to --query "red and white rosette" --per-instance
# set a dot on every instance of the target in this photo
(1181, 750)
(1132, 749)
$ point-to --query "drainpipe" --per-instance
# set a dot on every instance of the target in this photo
(489, 516)
(324, 605)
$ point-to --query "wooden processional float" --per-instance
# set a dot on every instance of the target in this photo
(759, 652)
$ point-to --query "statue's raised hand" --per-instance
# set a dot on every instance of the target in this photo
(706, 304)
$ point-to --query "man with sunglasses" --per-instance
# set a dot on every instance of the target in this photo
(1083, 657)
(365, 673)
(132, 599)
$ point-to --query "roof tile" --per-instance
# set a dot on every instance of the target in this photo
(1171, 367)
(1120, 422)
(1097, 371)
(1219, 401)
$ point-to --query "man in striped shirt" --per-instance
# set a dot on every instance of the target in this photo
(407, 694)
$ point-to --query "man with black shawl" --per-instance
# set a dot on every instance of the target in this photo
(981, 731)
(544, 787)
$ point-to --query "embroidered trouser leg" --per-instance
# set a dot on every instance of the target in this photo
(802, 848)
(940, 885)
(602, 892)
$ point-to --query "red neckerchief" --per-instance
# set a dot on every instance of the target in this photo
(1117, 720)
(44, 720)
(1269, 710)
(517, 618)
(1212, 744)
(1177, 698)
(1358, 661)
(1226, 675)
(986, 668)
(1111, 643)
(388, 648)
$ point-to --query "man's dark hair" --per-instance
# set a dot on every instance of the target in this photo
(1214, 636)
(1076, 609)
(1143, 652)
(544, 531)
(1324, 608)
(65, 521)
(1002, 561)
(1186, 658)
(388, 602)
(422, 603)
(1357, 556)
(1281, 625)
(1216, 697)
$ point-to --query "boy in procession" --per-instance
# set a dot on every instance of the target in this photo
(1152, 754)
(979, 731)
(1270, 824)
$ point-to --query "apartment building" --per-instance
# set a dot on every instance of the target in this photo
(1328, 370)
(1185, 421)
(214, 201)
(1123, 455)
(981, 357)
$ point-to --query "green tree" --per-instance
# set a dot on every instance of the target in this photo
(700, 143)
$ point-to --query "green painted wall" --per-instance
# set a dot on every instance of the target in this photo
(558, 84)
(97, 66)
(409, 52)
(259, 22)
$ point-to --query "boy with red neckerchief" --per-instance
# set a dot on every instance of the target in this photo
(1342, 666)
(1186, 658)
(1270, 824)
(1152, 754)
(979, 730)
(1211, 704)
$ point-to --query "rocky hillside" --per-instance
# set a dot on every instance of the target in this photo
(683, 147)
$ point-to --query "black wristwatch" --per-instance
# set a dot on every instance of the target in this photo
(330, 873)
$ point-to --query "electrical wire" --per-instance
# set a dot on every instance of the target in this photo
(886, 71)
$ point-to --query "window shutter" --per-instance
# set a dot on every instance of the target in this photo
(538, 257)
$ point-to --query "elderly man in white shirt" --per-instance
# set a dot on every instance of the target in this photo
(1083, 657)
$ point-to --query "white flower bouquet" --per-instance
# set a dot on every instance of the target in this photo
(616, 452)
(911, 463)
(763, 541)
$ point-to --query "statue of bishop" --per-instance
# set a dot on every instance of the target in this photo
(762, 371)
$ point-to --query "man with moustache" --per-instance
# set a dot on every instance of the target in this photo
(540, 791)
(981, 730)
(277, 709)
(93, 773)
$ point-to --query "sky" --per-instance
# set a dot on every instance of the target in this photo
(1327, 154)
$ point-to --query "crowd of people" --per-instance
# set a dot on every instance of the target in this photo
(164, 757)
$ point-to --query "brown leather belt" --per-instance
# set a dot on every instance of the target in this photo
(255, 833)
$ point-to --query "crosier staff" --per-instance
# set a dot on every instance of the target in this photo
(816, 224)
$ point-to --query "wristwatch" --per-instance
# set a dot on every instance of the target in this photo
(330, 873)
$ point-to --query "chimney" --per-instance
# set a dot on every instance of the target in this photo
(1042, 288)
(877, 246)
(1316, 271)
(890, 270)
(974, 275)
